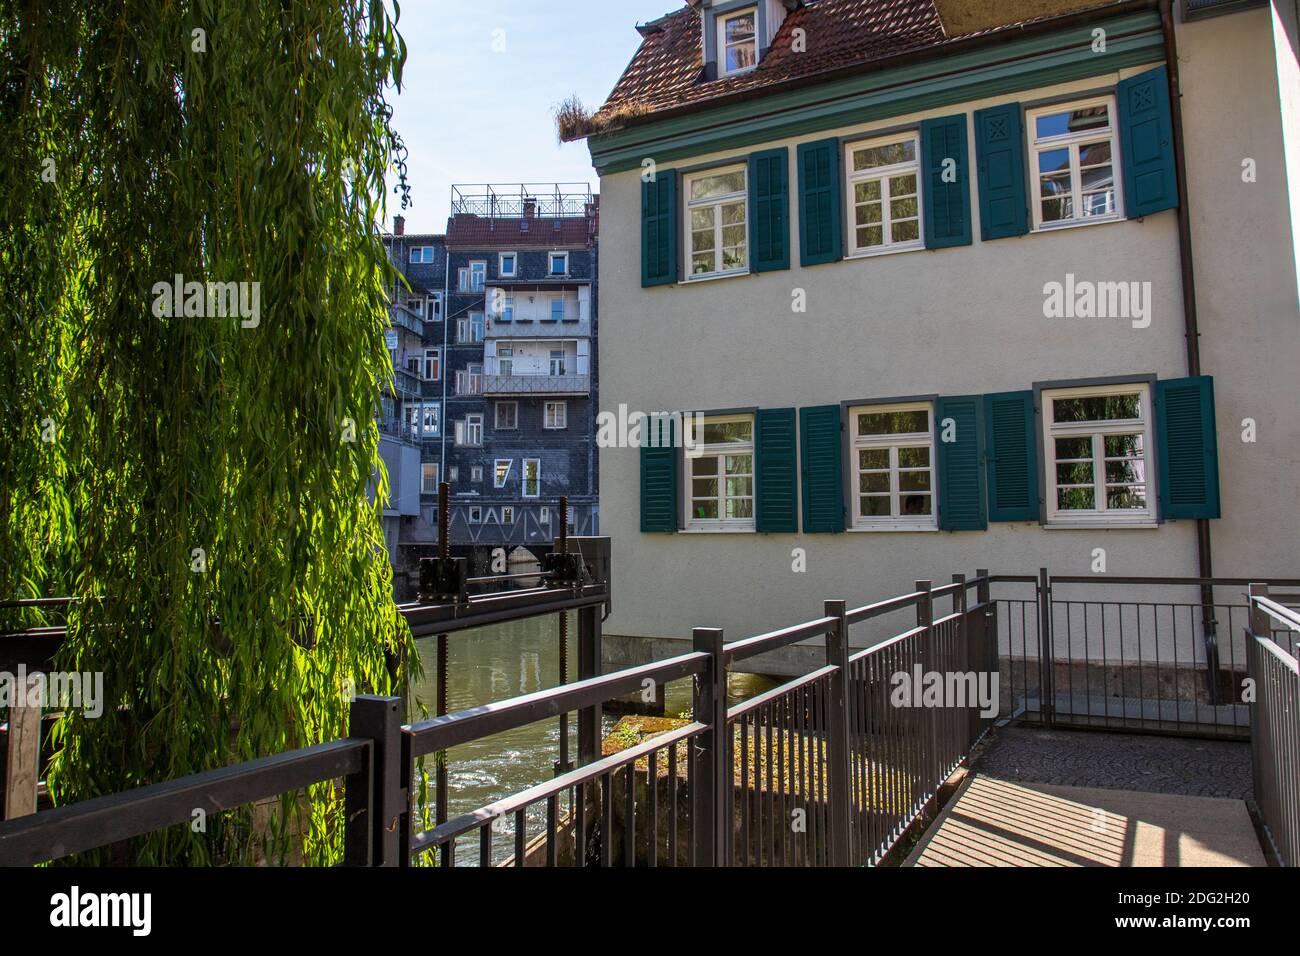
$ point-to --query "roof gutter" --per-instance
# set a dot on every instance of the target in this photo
(1191, 330)
(960, 45)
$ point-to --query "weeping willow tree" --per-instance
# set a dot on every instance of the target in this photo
(193, 291)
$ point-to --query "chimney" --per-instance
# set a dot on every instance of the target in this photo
(530, 208)
(399, 225)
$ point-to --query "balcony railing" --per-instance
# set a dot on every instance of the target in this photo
(536, 385)
(407, 384)
(403, 318)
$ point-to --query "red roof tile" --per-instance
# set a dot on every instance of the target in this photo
(666, 70)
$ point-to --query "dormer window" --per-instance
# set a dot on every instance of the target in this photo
(738, 41)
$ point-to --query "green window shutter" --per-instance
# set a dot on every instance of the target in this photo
(1188, 447)
(819, 202)
(1012, 454)
(821, 440)
(947, 204)
(961, 465)
(659, 229)
(659, 484)
(776, 471)
(1146, 144)
(1000, 158)
(769, 210)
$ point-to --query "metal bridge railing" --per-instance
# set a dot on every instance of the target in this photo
(1275, 722)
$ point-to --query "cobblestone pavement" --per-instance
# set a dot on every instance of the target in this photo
(1205, 768)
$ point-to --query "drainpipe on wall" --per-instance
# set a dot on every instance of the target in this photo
(1204, 555)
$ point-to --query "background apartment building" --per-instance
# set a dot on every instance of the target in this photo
(493, 355)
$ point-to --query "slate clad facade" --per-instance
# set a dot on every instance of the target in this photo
(502, 383)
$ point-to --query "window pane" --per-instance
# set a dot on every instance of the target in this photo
(865, 192)
(1074, 499)
(868, 214)
(913, 481)
(903, 208)
(740, 27)
(705, 466)
(1094, 154)
(733, 257)
(701, 263)
(870, 236)
(1055, 163)
(902, 185)
(733, 213)
(702, 218)
(1058, 210)
(704, 487)
(1122, 472)
(719, 185)
(1120, 446)
(875, 482)
(717, 432)
(916, 504)
(913, 458)
(887, 154)
(874, 506)
(733, 236)
(1079, 473)
(1097, 408)
(740, 487)
(740, 465)
(893, 423)
(1072, 121)
(873, 458)
(740, 507)
(1073, 448)
(1123, 499)
(906, 231)
(705, 509)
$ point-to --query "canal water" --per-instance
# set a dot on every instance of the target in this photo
(504, 661)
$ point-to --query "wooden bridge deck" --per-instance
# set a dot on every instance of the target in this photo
(992, 822)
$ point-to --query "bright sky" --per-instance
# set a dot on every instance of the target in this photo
(471, 114)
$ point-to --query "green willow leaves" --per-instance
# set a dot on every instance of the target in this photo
(191, 477)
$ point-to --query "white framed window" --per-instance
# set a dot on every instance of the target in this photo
(1098, 442)
(559, 264)
(477, 275)
(453, 473)
(717, 228)
(738, 41)
(507, 515)
(532, 477)
(429, 477)
(435, 307)
(720, 475)
(422, 254)
(501, 471)
(507, 265)
(413, 418)
(470, 328)
(505, 308)
(432, 369)
(555, 415)
(884, 200)
(557, 362)
(557, 309)
(431, 419)
(469, 431)
(469, 380)
(476, 474)
(476, 515)
(544, 516)
(893, 467)
(505, 359)
(416, 305)
(1074, 155)
(507, 416)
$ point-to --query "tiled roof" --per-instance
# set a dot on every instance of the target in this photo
(666, 71)
(479, 232)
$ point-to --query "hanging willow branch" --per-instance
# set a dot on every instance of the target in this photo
(197, 468)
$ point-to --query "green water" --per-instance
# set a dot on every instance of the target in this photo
(497, 663)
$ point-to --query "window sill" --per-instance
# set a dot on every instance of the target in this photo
(889, 251)
(717, 531)
(1079, 224)
(713, 277)
(890, 528)
(1100, 524)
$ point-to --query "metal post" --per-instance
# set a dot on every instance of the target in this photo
(708, 797)
(1046, 653)
(562, 545)
(841, 800)
(440, 758)
(373, 836)
(925, 619)
(988, 625)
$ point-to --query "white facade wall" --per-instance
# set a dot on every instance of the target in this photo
(969, 320)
